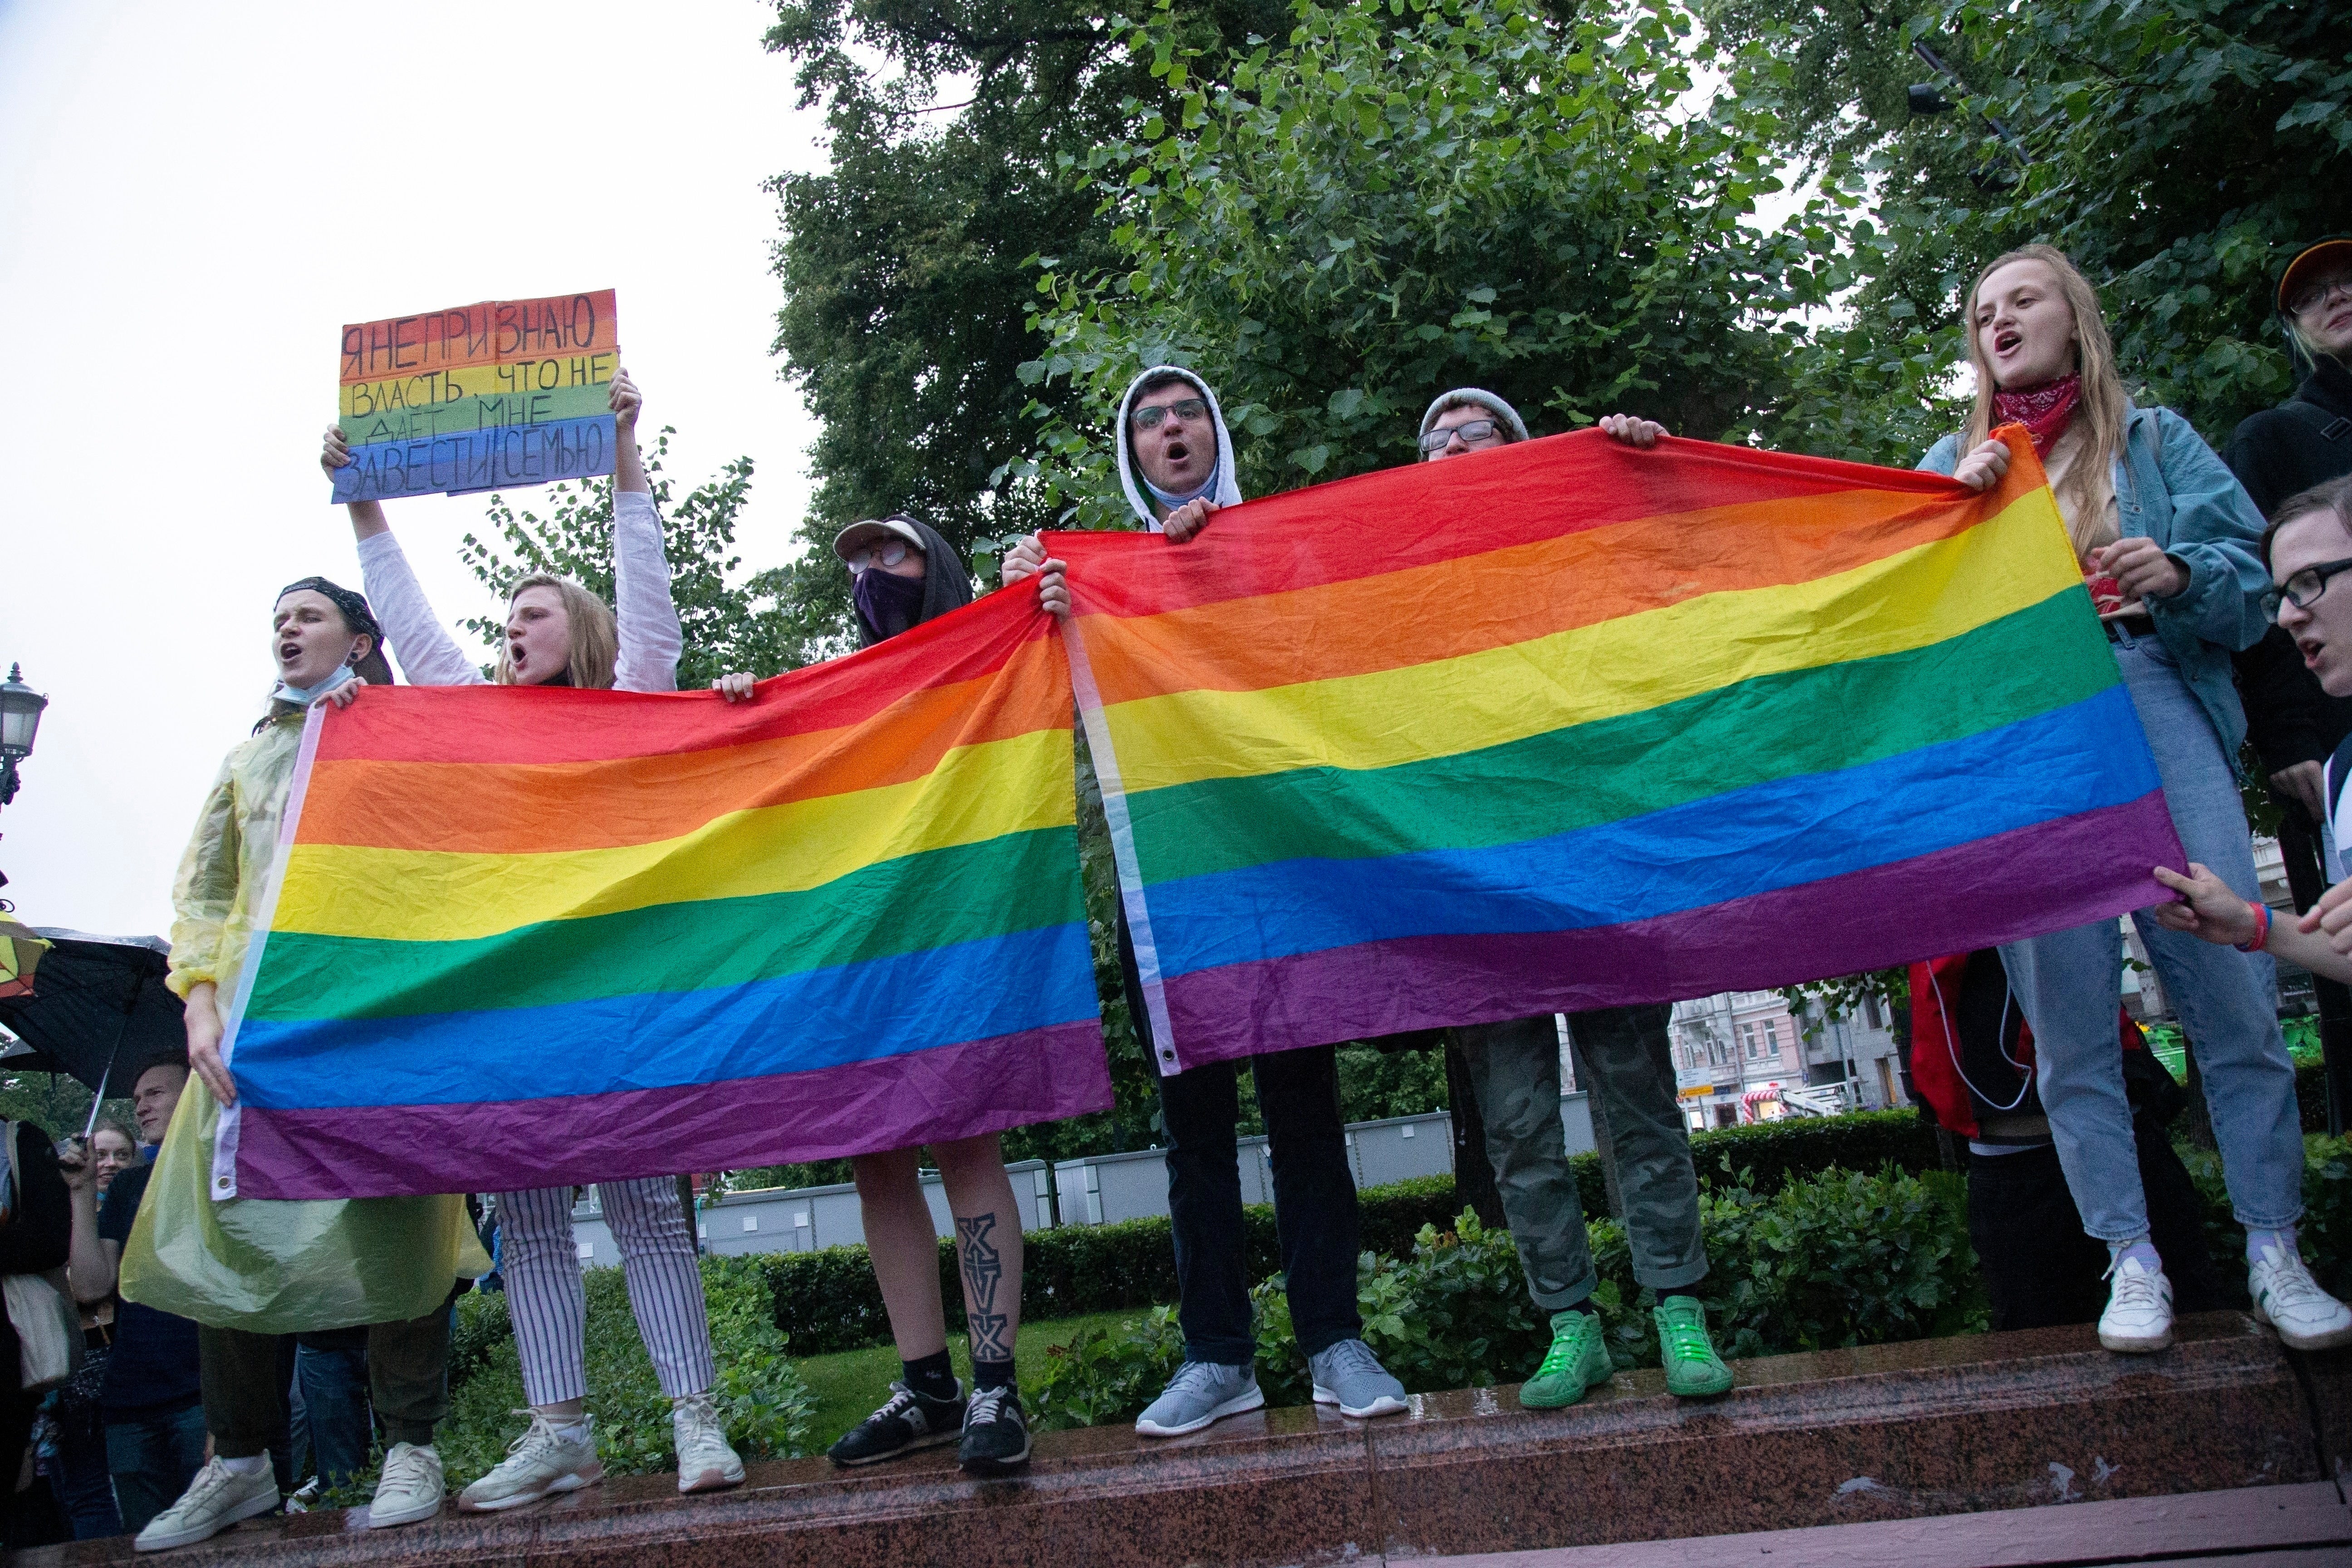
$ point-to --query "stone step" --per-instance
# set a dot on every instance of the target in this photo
(2253, 1527)
(1987, 1423)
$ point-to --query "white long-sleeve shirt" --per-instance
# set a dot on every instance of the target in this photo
(650, 638)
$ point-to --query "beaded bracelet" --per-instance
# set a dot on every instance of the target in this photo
(2261, 929)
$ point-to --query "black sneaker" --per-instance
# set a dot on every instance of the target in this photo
(907, 1422)
(996, 1438)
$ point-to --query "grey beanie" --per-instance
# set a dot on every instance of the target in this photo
(1478, 397)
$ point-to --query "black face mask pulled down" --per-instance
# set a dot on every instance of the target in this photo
(889, 604)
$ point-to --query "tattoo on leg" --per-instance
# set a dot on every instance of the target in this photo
(983, 1274)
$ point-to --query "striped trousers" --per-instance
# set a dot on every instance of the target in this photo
(550, 1307)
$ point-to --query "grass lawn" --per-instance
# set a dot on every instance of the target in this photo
(850, 1384)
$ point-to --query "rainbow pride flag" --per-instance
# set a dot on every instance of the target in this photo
(1568, 725)
(527, 937)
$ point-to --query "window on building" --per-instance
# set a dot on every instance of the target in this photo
(1772, 1038)
(1871, 1012)
(1748, 1042)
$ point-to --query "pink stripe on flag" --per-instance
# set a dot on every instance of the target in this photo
(2087, 866)
(949, 1091)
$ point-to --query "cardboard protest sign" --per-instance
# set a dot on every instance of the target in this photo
(488, 396)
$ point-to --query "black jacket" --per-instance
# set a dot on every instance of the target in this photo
(2288, 448)
(2274, 454)
(34, 1239)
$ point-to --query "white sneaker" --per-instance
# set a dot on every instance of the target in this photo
(2139, 1317)
(2290, 1300)
(705, 1462)
(539, 1462)
(411, 1488)
(215, 1499)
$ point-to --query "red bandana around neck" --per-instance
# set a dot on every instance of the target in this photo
(2043, 410)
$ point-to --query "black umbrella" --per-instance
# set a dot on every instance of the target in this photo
(100, 1009)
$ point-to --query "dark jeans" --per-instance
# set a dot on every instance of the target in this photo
(1315, 1211)
(408, 1377)
(330, 1374)
(2040, 1268)
(85, 1490)
(154, 1457)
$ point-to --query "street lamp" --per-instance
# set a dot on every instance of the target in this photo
(20, 720)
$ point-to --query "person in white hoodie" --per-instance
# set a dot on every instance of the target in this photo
(560, 634)
(1176, 466)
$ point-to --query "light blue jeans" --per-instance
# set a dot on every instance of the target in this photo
(2069, 985)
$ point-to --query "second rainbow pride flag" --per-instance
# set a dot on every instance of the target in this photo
(1571, 725)
(524, 938)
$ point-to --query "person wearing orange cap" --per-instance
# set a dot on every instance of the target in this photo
(2293, 724)
(2307, 439)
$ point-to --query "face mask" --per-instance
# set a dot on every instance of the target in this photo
(1208, 486)
(303, 695)
(889, 603)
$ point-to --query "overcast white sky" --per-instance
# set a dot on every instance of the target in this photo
(193, 200)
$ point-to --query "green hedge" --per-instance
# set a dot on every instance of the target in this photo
(827, 1300)
(1808, 1145)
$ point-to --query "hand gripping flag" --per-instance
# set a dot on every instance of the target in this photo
(521, 937)
(1569, 725)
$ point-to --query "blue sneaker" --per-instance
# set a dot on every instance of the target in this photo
(1200, 1393)
(1351, 1377)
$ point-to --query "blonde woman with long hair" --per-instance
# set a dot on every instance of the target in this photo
(560, 634)
(2168, 547)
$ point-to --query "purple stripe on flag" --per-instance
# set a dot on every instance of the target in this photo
(2045, 878)
(896, 1102)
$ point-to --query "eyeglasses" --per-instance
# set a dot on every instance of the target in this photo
(1152, 417)
(889, 553)
(2312, 295)
(1470, 430)
(2302, 589)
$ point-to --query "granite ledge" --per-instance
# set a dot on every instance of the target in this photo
(1993, 1422)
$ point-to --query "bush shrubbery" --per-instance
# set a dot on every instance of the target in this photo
(2324, 1231)
(759, 1394)
(1844, 1258)
(827, 1300)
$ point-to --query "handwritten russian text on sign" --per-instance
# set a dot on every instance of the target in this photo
(476, 397)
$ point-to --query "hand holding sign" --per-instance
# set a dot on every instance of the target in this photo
(495, 395)
(625, 400)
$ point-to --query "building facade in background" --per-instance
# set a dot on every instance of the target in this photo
(1738, 1055)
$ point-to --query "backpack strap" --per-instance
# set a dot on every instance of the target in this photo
(2331, 427)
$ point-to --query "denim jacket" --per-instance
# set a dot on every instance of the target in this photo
(2171, 488)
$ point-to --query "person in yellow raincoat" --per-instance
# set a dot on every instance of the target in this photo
(246, 1270)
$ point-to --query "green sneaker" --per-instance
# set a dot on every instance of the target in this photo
(1693, 1369)
(1576, 1361)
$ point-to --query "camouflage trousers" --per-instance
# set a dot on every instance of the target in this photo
(1625, 1059)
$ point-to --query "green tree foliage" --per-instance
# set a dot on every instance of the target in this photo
(906, 264)
(1409, 199)
(57, 1104)
(754, 623)
(2178, 150)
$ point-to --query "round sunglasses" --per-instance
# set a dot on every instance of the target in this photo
(887, 552)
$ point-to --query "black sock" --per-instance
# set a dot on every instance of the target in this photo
(992, 1373)
(933, 1377)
